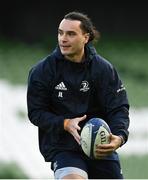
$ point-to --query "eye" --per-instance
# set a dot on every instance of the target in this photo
(60, 32)
(71, 33)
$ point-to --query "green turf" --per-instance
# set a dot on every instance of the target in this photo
(16, 58)
(11, 171)
(135, 167)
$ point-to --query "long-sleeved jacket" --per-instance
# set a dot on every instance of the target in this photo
(59, 89)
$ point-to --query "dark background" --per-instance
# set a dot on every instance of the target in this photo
(35, 21)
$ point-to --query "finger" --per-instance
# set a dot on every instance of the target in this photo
(103, 153)
(99, 156)
(77, 139)
(105, 146)
(104, 150)
(82, 118)
(78, 127)
(75, 127)
(76, 136)
(79, 120)
(111, 136)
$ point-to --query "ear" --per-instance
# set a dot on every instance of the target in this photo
(86, 36)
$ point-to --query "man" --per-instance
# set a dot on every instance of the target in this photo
(65, 90)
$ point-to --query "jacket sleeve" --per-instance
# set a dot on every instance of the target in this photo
(38, 102)
(116, 103)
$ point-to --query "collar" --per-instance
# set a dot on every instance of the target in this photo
(90, 52)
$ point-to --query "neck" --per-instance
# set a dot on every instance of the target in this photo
(78, 58)
(75, 59)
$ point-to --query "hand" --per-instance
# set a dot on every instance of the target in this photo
(71, 125)
(106, 149)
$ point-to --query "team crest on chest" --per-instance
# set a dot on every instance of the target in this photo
(84, 86)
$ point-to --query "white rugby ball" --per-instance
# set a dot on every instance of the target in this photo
(96, 131)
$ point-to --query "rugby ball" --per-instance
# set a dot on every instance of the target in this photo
(95, 132)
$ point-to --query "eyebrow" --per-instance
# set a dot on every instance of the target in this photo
(66, 31)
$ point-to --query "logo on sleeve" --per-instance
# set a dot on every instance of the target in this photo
(121, 88)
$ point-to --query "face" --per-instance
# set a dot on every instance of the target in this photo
(72, 40)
